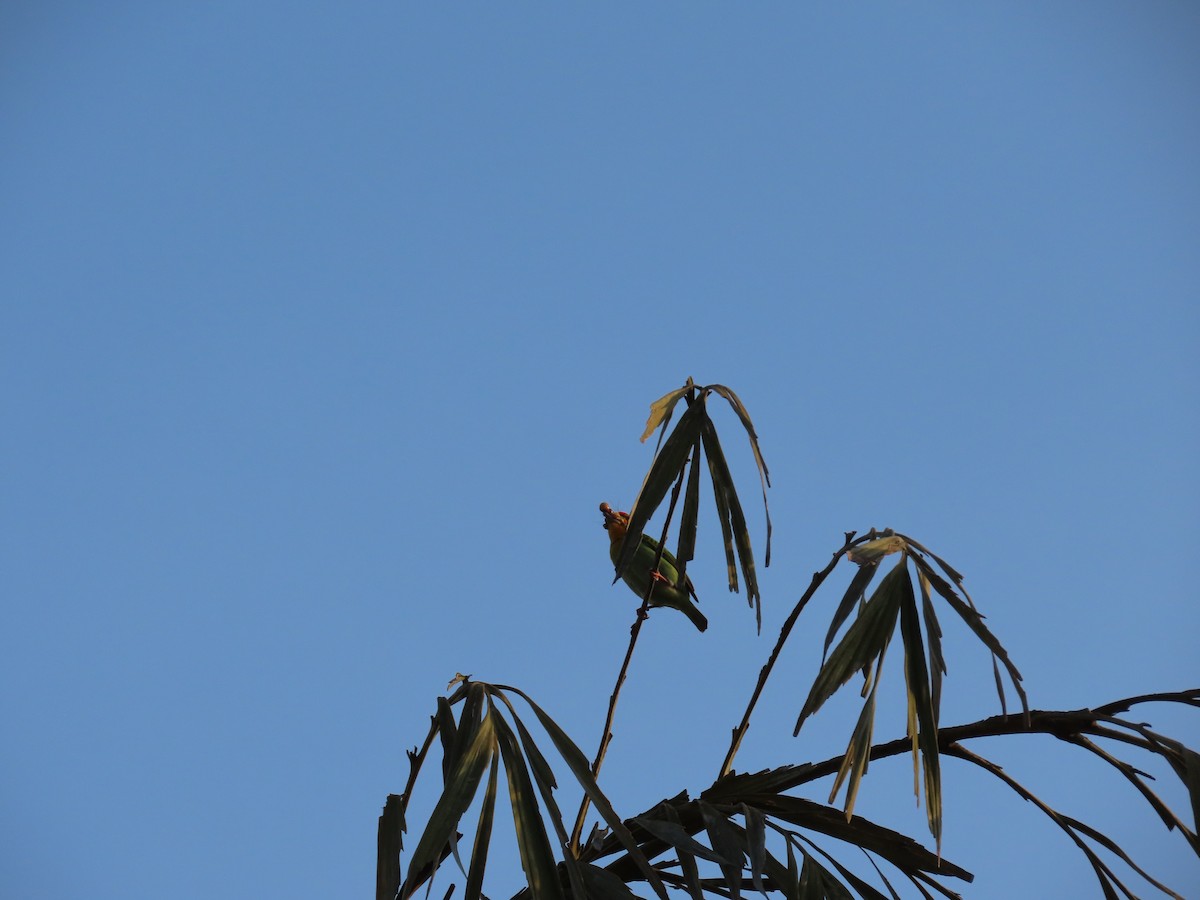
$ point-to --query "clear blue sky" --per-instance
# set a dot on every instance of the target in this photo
(326, 328)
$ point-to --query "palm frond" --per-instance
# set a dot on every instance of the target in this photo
(678, 454)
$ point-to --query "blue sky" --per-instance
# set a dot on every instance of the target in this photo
(327, 328)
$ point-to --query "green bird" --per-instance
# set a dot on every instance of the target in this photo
(667, 591)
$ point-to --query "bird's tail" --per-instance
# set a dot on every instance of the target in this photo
(689, 609)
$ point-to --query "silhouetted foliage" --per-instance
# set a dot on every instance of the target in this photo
(749, 831)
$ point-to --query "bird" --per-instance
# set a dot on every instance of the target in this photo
(668, 591)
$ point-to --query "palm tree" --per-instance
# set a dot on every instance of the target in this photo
(751, 831)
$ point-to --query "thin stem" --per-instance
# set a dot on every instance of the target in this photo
(636, 629)
(817, 580)
(606, 735)
(1062, 724)
(415, 760)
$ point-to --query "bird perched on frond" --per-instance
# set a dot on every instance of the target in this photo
(668, 591)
